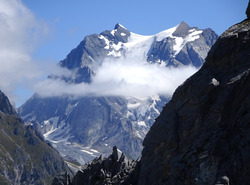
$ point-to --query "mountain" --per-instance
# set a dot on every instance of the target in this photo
(202, 134)
(83, 127)
(25, 157)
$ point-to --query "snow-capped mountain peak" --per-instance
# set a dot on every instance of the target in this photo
(119, 26)
(176, 37)
(83, 127)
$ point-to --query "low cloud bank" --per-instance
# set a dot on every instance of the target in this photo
(121, 78)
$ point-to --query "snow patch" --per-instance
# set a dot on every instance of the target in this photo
(155, 99)
(141, 123)
(46, 122)
(88, 152)
(113, 32)
(116, 49)
(123, 34)
(180, 42)
(106, 41)
(162, 35)
(114, 53)
(95, 151)
(215, 82)
(117, 46)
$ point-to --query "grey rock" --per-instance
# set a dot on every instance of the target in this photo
(193, 53)
(106, 171)
(62, 179)
(182, 30)
(121, 34)
(162, 50)
(5, 105)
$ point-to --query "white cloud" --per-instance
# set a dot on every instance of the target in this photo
(19, 34)
(123, 77)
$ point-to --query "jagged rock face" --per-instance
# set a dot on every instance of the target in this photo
(93, 50)
(192, 53)
(83, 128)
(24, 157)
(101, 171)
(5, 105)
(202, 135)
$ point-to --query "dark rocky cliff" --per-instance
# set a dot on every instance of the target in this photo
(202, 135)
(24, 157)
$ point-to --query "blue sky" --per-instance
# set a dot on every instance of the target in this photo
(36, 34)
(70, 21)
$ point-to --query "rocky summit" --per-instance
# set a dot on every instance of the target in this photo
(114, 169)
(202, 135)
(24, 157)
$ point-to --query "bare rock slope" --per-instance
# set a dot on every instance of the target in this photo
(24, 157)
(202, 134)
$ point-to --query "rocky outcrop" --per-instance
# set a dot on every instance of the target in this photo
(111, 170)
(24, 157)
(62, 179)
(5, 106)
(202, 135)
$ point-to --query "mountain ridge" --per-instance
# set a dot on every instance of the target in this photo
(25, 157)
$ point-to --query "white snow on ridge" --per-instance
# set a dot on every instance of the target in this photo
(121, 26)
(167, 33)
(141, 123)
(180, 42)
(106, 41)
(114, 53)
(142, 43)
(113, 32)
(88, 152)
(139, 43)
(155, 99)
(179, 45)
